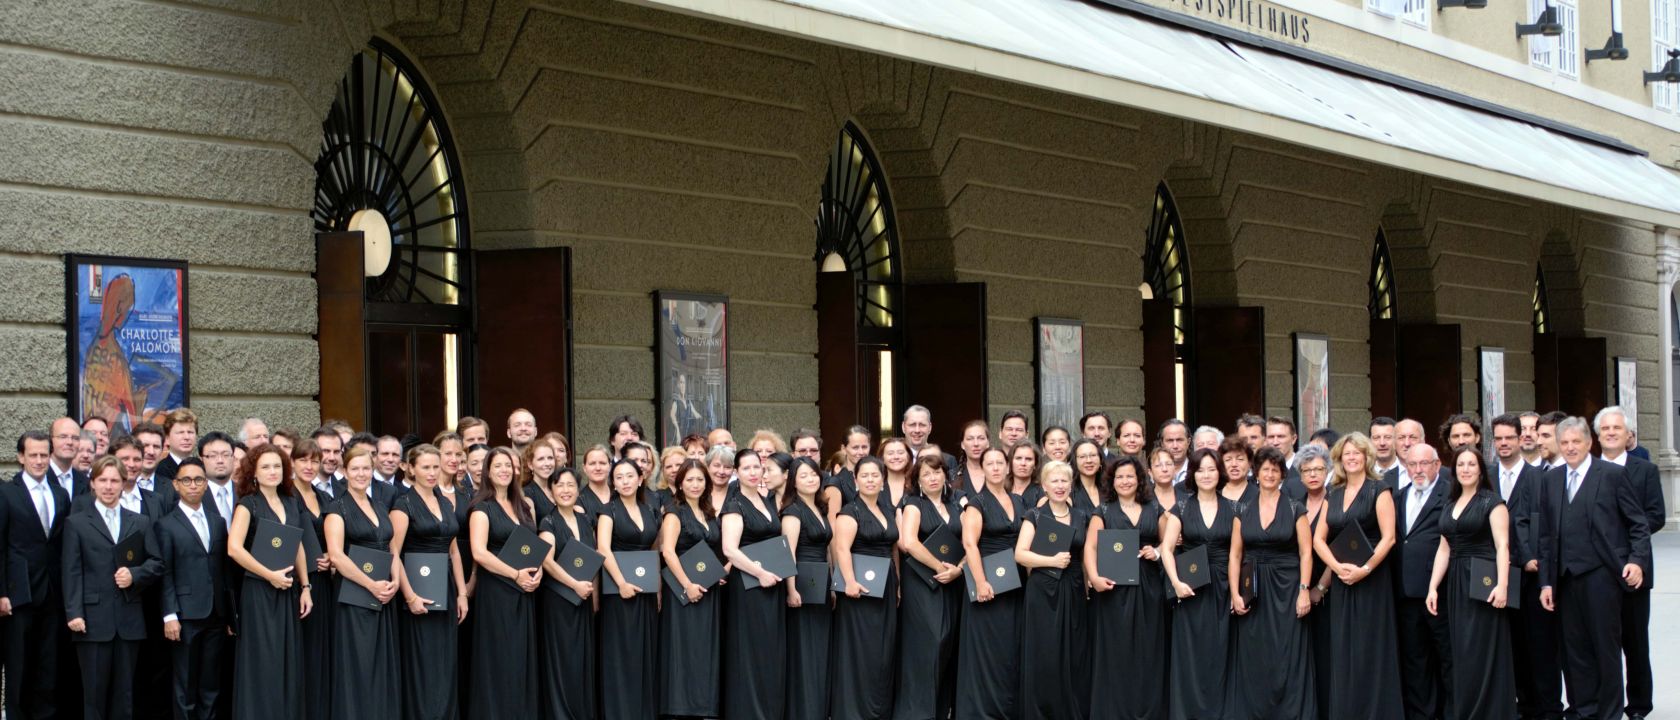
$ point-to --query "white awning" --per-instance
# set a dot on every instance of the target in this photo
(1082, 49)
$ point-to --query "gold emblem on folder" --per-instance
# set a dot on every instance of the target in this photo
(1487, 582)
(577, 562)
(1193, 567)
(1052, 537)
(1119, 546)
(524, 549)
(367, 567)
(700, 567)
(999, 572)
(641, 571)
(131, 556)
(944, 549)
(425, 571)
(274, 543)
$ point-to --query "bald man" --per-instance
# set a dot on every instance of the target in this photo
(1425, 649)
(1407, 433)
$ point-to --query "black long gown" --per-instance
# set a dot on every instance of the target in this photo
(1484, 684)
(927, 670)
(363, 638)
(566, 635)
(1271, 649)
(629, 629)
(1364, 652)
(689, 639)
(427, 643)
(865, 640)
(755, 626)
(539, 501)
(268, 666)
(504, 648)
(460, 504)
(989, 651)
(1055, 629)
(318, 627)
(1130, 630)
(1201, 624)
(1318, 622)
(808, 625)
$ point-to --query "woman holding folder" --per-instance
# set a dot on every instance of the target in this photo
(268, 659)
(1201, 623)
(423, 530)
(808, 532)
(1364, 652)
(689, 638)
(754, 617)
(566, 625)
(1055, 623)
(1271, 650)
(1475, 561)
(364, 643)
(1129, 623)
(504, 647)
(932, 598)
(317, 628)
(630, 617)
(989, 652)
(865, 640)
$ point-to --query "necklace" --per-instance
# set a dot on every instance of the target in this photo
(1057, 515)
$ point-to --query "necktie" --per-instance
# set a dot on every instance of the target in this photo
(224, 506)
(111, 522)
(1505, 482)
(43, 506)
(202, 528)
(1574, 483)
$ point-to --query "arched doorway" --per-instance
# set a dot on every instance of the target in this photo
(1166, 314)
(1385, 387)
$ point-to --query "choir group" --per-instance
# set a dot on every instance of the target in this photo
(1078, 574)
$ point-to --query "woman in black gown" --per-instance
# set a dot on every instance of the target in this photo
(1201, 628)
(1237, 462)
(566, 631)
(1162, 468)
(865, 640)
(538, 464)
(1364, 651)
(1129, 627)
(268, 659)
(989, 649)
(629, 622)
(754, 624)
(1476, 528)
(318, 627)
(1271, 672)
(928, 611)
(1313, 462)
(364, 644)
(504, 649)
(808, 532)
(422, 521)
(689, 639)
(597, 492)
(1055, 623)
(1130, 437)
(1087, 464)
(1024, 459)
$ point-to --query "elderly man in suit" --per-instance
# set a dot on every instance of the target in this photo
(1425, 650)
(1615, 434)
(1586, 578)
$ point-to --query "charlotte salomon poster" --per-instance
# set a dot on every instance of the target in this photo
(127, 337)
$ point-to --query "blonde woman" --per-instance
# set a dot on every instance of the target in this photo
(1364, 652)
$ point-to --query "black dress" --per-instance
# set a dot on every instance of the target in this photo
(318, 627)
(1130, 630)
(1201, 624)
(808, 625)
(268, 666)
(865, 640)
(539, 500)
(504, 649)
(1271, 649)
(427, 643)
(629, 629)
(363, 638)
(1055, 629)
(989, 652)
(689, 639)
(1318, 623)
(1483, 682)
(1250, 493)
(460, 504)
(1364, 652)
(755, 626)
(927, 670)
(566, 635)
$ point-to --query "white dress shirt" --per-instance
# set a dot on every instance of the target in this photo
(41, 494)
(1419, 497)
(66, 478)
(201, 525)
(1620, 460)
(130, 500)
(1508, 479)
(222, 495)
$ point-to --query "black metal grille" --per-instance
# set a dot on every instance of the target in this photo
(856, 221)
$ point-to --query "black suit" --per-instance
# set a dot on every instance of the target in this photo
(1646, 482)
(1606, 530)
(1292, 485)
(1534, 630)
(1425, 648)
(33, 563)
(115, 618)
(166, 467)
(195, 591)
(165, 492)
(79, 482)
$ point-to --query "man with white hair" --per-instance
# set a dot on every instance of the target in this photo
(253, 432)
(1207, 436)
(1425, 649)
(1615, 432)
(1407, 433)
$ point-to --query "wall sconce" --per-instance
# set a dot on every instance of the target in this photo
(1466, 4)
(1613, 48)
(1547, 24)
(1670, 72)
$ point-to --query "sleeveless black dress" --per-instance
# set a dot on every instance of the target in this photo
(427, 643)
(927, 660)
(629, 629)
(808, 625)
(566, 634)
(504, 645)
(989, 651)
(1201, 624)
(363, 638)
(1364, 651)
(1055, 629)
(1318, 621)
(1484, 684)
(689, 639)
(1271, 649)
(865, 640)
(460, 503)
(1130, 630)
(755, 625)
(268, 666)
(318, 627)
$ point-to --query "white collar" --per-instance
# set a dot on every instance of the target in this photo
(52, 466)
(1618, 460)
(1518, 468)
(191, 512)
(1581, 470)
(177, 458)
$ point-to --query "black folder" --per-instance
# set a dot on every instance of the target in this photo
(869, 571)
(1351, 546)
(812, 584)
(945, 548)
(1117, 556)
(640, 568)
(1193, 567)
(131, 552)
(1479, 585)
(428, 577)
(373, 563)
(1001, 572)
(1246, 586)
(275, 546)
(579, 561)
(1051, 536)
(702, 567)
(773, 555)
(523, 550)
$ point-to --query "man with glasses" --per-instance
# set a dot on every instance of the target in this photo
(807, 444)
(194, 597)
(1533, 630)
(1425, 649)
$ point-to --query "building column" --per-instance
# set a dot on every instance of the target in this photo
(1667, 458)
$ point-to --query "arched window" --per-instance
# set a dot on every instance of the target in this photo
(1166, 274)
(1381, 303)
(1542, 311)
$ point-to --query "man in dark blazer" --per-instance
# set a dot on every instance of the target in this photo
(917, 426)
(132, 498)
(33, 510)
(65, 434)
(1614, 437)
(1425, 649)
(196, 603)
(180, 438)
(1586, 578)
(1534, 630)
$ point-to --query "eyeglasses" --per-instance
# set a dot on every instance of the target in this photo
(190, 481)
(1423, 463)
(1313, 471)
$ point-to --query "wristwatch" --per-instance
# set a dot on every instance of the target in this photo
(1304, 586)
(1322, 589)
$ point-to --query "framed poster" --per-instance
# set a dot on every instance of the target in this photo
(1627, 386)
(1059, 358)
(126, 337)
(1490, 385)
(691, 346)
(1312, 382)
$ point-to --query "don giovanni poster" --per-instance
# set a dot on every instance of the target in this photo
(692, 333)
(128, 338)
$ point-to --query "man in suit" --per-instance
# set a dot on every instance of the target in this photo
(65, 434)
(1534, 631)
(149, 438)
(132, 498)
(387, 461)
(1425, 650)
(330, 479)
(1586, 578)
(1097, 426)
(1382, 442)
(1252, 429)
(1174, 437)
(1531, 438)
(1281, 434)
(216, 459)
(196, 603)
(1546, 438)
(1012, 429)
(1615, 432)
(151, 685)
(34, 509)
(180, 437)
(917, 425)
(1459, 430)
